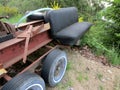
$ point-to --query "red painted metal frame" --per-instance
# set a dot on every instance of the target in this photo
(12, 51)
(36, 63)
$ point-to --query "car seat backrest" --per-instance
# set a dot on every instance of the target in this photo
(62, 18)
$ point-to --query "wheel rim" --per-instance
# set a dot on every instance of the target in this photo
(35, 87)
(60, 68)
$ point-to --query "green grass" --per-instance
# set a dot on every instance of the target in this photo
(86, 78)
(65, 86)
(81, 77)
(99, 76)
(101, 87)
(69, 66)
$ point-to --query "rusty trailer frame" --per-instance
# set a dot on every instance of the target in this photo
(14, 50)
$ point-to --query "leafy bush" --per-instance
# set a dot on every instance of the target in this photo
(27, 5)
(113, 56)
(113, 13)
(98, 40)
(8, 11)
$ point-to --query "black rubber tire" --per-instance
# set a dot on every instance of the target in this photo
(25, 81)
(55, 60)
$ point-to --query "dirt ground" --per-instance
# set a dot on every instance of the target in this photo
(87, 74)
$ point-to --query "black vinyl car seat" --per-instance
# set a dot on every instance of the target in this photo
(65, 26)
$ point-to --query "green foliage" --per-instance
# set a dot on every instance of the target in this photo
(97, 34)
(8, 11)
(4, 2)
(98, 39)
(14, 19)
(27, 5)
(55, 5)
(99, 76)
(84, 8)
(101, 87)
(82, 77)
(69, 66)
(113, 56)
(113, 13)
(65, 85)
(80, 19)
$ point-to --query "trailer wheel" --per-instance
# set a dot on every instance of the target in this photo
(54, 67)
(25, 81)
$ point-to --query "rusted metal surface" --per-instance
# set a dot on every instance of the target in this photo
(4, 27)
(7, 28)
(37, 29)
(29, 23)
(24, 25)
(11, 28)
(16, 40)
(1, 66)
(12, 51)
(27, 34)
(36, 63)
(7, 77)
(29, 37)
